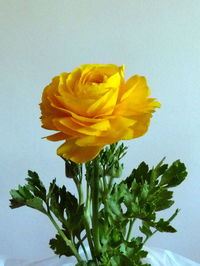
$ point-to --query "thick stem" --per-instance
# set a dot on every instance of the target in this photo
(95, 207)
(89, 237)
(80, 193)
(79, 186)
(87, 218)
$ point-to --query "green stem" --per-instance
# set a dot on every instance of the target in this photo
(67, 241)
(79, 186)
(89, 237)
(110, 185)
(130, 229)
(84, 250)
(147, 237)
(87, 221)
(80, 193)
(105, 184)
(95, 207)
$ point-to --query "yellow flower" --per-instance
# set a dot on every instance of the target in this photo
(93, 106)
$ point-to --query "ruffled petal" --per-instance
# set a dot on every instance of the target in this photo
(120, 128)
(134, 100)
(93, 106)
(104, 105)
(142, 124)
(57, 136)
(69, 150)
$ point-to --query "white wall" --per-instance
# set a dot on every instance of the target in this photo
(40, 39)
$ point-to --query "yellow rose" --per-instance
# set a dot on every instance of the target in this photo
(93, 106)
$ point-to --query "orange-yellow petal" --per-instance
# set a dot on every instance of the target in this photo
(69, 150)
(120, 128)
(57, 136)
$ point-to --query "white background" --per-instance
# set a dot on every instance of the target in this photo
(155, 38)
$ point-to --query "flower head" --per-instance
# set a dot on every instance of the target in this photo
(94, 106)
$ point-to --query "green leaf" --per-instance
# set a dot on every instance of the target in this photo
(25, 193)
(120, 260)
(158, 171)
(36, 185)
(76, 221)
(145, 229)
(163, 226)
(174, 175)
(59, 246)
(72, 204)
(31, 195)
(65, 207)
(17, 200)
(113, 203)
(36, 203)
(16, 195)
(162, 199)
(109, 159)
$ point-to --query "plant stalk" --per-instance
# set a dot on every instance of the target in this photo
(95, 207)
(87, 218)
(67, 241)
(130, 229)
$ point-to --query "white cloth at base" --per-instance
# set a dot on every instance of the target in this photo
(156, 257)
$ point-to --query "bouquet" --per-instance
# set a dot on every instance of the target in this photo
(92, 109)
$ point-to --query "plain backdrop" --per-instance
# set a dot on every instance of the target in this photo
(42, 38)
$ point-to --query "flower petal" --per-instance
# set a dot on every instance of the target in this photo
(134, 100)
(120, 128)
(57, 136)
(69, 150)
(104, 105)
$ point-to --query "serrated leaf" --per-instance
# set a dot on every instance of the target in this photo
(76, 221)
(163, 226)
(174, 175)
(24, 192)
(72, 203)
(145, 229)
(173, 215)
(16, 203)
(164, 204)
(158, 171)
(162, 199)
(36, 203)
(120, 260)
(36, 185)
(19, 197)
(16, 195)
(59, 246)
(144, 192)
(113, 202)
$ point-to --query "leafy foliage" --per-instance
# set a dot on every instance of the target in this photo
(144, 193)
(57, 201)
(141, 196)
(31, 195)
(59, 246)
